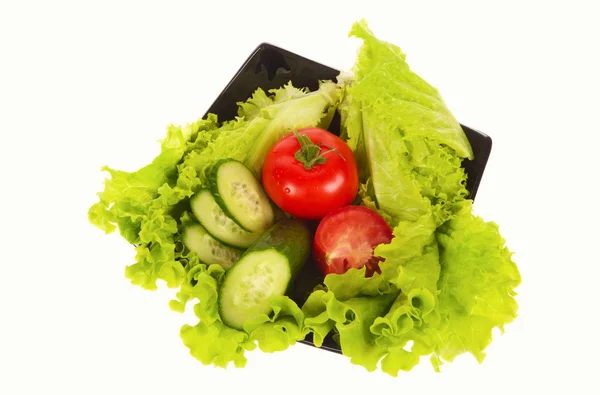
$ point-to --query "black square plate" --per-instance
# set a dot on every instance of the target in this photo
(270, 67)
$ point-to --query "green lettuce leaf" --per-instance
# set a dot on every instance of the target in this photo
(407, 142)
(291, 110)
(280, 329)
(249, 137)
(141, 205)
(354, 283)
(397, 192)
(316, 315)
(260, 100)
(385, 82)
(352, 320)
(210, 341)
(214, 343)
(477, 282)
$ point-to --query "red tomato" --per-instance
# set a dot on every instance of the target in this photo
(347, 237)
(323, 178)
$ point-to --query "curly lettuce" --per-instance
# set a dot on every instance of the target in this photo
(477, 284)
(249, 137)
(410, 145)
(214, 343)
(447, 278)
(441, 293)
(140, 205)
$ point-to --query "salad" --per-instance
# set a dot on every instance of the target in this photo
(234, 214)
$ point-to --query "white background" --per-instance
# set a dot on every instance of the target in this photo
(84, 84)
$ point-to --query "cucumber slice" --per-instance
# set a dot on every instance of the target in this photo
(267, 268)
(258, 276)
(217, 223)
(209, 250)
(241, 196)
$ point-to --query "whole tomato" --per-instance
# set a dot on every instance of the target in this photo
(309, 173)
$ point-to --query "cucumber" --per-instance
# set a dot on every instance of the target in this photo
(241, 196)
(266, 269)
(209, 250)
(217, 223)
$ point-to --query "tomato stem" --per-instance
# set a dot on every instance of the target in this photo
(310, 153)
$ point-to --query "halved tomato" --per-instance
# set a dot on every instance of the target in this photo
(346, 238)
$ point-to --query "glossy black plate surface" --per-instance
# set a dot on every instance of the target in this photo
(270, 67)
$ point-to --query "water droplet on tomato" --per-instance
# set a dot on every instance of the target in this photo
(287, 190)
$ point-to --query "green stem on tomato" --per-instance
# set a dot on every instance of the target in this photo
(310, 153)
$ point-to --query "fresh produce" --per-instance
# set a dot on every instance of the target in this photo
(310, 173)
(346, 238)
(409, 270)
(217, 223)
(240, 196)
(209, 250)
(266, 269)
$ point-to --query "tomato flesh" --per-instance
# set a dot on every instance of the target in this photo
(346, 239)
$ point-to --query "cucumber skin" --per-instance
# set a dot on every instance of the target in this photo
(214, 189)
(290, 237)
